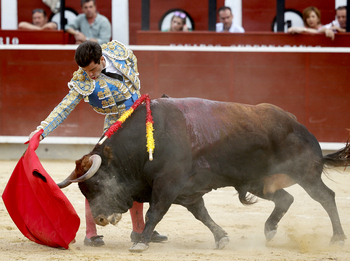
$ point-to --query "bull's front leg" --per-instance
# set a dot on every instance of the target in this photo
(165, 189)
(154, 215)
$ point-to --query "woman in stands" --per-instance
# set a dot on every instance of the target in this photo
(312, 23)
(178, 22)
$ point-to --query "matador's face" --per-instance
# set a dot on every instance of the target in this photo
(94, 69)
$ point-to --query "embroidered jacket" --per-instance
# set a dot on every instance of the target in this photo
(106, 95)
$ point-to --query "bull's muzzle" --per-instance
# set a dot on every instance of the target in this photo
(112, 219)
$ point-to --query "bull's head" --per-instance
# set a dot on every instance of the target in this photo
(99, 189)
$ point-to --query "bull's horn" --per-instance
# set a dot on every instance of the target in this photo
(96, 163)
(67, 181)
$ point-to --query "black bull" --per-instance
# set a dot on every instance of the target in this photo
(203, 145)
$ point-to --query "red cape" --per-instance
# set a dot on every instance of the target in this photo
(37, 205)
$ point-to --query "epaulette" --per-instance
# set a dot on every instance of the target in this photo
(81, 83)
(122, 59)
(115, 50)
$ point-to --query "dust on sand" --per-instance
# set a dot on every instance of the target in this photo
(303, 234)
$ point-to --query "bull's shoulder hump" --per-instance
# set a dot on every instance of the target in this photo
(189, 102)
(269, 106)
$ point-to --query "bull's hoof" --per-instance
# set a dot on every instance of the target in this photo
(95, 241)
(156, 237)
(338, 240)
(138, 247)
(270, 234)
(222, 243)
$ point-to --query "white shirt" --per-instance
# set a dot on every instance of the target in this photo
(233, 29)
(334, 23)
(109, 66)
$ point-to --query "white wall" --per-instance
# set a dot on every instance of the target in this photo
(120, 21)
(339, 3)
(236, 6)
(9, 18)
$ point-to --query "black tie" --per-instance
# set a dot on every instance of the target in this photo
(113, 75)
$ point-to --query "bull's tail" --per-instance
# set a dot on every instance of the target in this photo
(339, 158)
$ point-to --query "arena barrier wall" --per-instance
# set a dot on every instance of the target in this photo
(14, 37)
(310, 82)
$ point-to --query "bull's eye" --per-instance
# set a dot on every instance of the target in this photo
(97, 184)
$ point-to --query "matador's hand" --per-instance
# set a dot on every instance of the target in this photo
(32, 134)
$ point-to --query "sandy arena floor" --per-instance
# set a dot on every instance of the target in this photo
(303, 234)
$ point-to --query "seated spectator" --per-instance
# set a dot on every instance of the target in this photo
(40, 22)
(312, 23)
(339, 24)
(226, 21)
(178, 23)
(90, 26)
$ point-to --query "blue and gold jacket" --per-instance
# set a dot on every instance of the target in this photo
(106, 95)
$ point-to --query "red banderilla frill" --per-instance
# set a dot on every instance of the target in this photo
(149, 123)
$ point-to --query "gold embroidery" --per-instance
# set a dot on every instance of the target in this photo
(111, 102)
(61, 111)
(132, 89)
(123, 89)
(116, 50)
(104, 104)
(110, 110)
(107, 92)
(81, 83)
(102, 83)
(105, 79)
(100, 95)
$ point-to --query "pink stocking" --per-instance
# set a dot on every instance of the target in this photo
(90, 223)
(136, 213)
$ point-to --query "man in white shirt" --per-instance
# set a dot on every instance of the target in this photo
(339, 24)
(226, 21)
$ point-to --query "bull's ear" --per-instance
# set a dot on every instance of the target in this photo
(78, 163)
(96, 163)
(108, 154)
(84, 166)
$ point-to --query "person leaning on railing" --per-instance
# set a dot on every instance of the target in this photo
(339, 24)
(40, 22)
(312, 23)
(90, 26)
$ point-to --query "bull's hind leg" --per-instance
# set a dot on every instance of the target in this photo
(282, 200)
(200, 212)
(326, 197)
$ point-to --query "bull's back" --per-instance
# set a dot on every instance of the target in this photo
(210, 122)
(228, 137)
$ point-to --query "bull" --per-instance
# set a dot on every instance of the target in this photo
(203, 145)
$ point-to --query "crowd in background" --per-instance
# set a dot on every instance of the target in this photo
(312, 22)
(92, 26)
